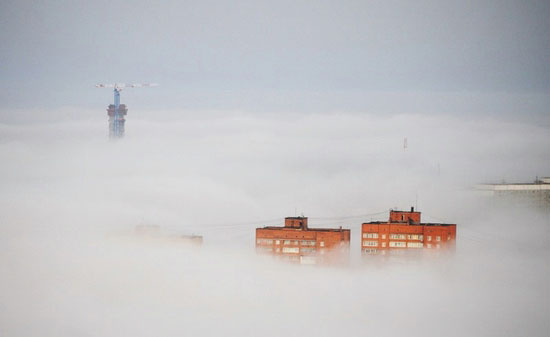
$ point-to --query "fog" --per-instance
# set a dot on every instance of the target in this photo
(71, 199)
(268, 109)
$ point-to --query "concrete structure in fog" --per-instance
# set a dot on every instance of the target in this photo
(299, 243)
(153, 233)
(536, 193)
(404, 230)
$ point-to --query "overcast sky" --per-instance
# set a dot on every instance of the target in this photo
(274, 55)
(269, 109)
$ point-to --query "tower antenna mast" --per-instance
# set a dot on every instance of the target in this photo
(117, 111)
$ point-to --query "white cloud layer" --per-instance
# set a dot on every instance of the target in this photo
(67, 195)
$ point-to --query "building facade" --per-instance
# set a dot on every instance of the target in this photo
(404, 230)
(299, 243)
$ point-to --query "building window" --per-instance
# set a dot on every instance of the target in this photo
(286, 242)
(428, 245)
(291, 250)
(264, 241)
(438, 238)
(398, 244)
(308, 243)
(383, 236)
(307, 250)
(414, 245)
(277, 242)
(398, 236)
(415, 237)
(383, 244)
(429, 238)
(370, 243)
(370, 235)
(322, 244)
(371, 251)
(448, 238)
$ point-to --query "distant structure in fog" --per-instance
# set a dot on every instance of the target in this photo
(299, 243)
(404, 230)
(116, 120)
(536, 193)
(117, 111)
(153, 233)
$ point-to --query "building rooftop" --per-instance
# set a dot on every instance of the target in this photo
(299, 223)
(405, 223)
(539, 184)
(306, 229)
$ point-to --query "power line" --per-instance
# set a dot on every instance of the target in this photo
(275, 221)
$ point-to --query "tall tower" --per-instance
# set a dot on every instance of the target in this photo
(117, 111)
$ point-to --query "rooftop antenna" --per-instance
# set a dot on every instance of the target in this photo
(117, 111)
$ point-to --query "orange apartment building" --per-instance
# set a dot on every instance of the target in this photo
(299, 243)
(404, 230)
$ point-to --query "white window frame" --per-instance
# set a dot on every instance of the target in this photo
(291, 250)
(370, 235)
(368, 243)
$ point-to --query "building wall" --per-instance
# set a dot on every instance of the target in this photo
(297, 243)
(381, 237)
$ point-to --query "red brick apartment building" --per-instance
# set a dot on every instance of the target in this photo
(404, 230)
(299, 243)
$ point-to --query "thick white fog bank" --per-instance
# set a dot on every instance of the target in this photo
(69, 196)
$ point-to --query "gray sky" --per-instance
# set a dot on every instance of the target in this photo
(272, 55)
(198, 157)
